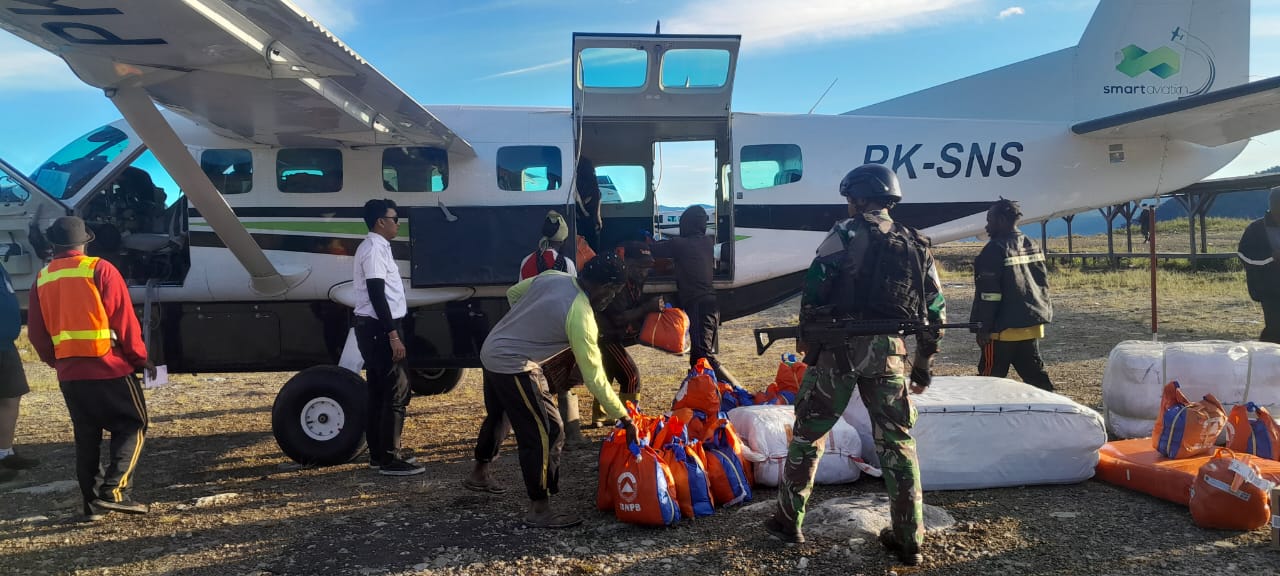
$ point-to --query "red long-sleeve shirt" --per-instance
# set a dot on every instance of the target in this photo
(127, 355)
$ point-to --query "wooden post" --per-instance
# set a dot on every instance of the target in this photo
(1069, 218)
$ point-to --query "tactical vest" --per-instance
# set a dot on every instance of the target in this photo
(882, 275)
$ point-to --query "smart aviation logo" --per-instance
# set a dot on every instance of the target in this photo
(1164, 63)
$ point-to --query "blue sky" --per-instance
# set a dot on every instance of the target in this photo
(515, 52)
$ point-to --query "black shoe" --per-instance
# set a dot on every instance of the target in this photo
(406, 455)
(127, 506)
(93, 512)
(911, 557)
(783, 531)
(16, 462)
(400, 468)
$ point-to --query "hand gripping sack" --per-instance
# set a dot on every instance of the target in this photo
(614, 452)
(1187, 429)
(666, 330)
(700, 391)
(644, 491)
(1259, 435)
(693, 490)
(1229, 493)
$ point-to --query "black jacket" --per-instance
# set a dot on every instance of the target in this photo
(1261, 270)
(693, 252)
(1011, 288)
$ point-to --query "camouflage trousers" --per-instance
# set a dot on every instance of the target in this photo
(878, 364)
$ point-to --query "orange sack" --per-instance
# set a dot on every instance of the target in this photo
(1230, 494)
(1252, 430)
(644, 491)
(666, 330)
(699, 392)
(1185, 429)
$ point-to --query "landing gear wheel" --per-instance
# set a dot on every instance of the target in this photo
(318, 416)
(432, 381)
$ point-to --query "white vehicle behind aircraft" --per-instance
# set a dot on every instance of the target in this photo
(234, 213)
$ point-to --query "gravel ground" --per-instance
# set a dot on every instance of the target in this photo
(211, 437)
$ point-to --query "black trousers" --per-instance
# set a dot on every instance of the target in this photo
(704, 333)
(620, 368)
(388, 385)
(1271, 321)
(1024, 355)
(531, 410)
(118, 407)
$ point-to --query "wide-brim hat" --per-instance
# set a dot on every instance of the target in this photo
(68, 231)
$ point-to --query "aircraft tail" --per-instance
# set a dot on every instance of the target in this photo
(1133, 54)
(1145, 52)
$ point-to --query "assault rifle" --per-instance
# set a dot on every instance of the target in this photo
(830, 332)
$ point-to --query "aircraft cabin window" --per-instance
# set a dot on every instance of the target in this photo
(231, 171)
(614, 67)
(694, 68)
(415, 169)
(73, 166)
(767, 165)
(529, 168)
(309, 170)
(621, 184)
(11, 192)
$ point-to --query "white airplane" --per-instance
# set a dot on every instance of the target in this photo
(276, 133)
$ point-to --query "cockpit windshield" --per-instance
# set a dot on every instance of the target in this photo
(77, 163)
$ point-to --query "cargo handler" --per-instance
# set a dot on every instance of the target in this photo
(82, 324)
(550, 312)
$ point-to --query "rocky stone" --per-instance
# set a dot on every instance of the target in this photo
(864, 516)
(216, 499)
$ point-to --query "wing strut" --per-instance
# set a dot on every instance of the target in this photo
(137, 108)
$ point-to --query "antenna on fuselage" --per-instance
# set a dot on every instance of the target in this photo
(824, 95)
(658, 29)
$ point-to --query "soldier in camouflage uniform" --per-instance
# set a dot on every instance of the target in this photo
(869, 268)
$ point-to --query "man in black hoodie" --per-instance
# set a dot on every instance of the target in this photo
(1259, 249)
(1011, 299)
(694, 255)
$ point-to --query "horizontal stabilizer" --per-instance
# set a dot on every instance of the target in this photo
(1237, 184)
(1213, 119)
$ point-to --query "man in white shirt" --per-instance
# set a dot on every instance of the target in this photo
(380, 307)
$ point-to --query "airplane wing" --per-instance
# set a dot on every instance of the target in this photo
(257, 70)
(1212, 119)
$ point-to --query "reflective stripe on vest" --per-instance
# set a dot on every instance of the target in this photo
(72, 308)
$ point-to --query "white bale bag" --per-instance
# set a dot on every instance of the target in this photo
(983, 432)
(767, 432)
(1137, 372)
(856, 415)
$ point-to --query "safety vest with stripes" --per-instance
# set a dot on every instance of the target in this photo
(72, 308)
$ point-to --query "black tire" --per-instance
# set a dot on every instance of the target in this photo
(333, 400)
(433, 381)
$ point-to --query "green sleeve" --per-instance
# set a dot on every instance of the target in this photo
(515, 293)
(580, 326)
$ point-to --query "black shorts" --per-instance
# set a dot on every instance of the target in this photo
(13, 379)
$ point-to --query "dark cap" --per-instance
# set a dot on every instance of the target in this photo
(638, 253)
(68, 231)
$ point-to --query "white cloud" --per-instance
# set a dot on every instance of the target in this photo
(336, 15)
(531, 69)
(1267, 26)
(26, 68)
(773, 24)
(1012, 11)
